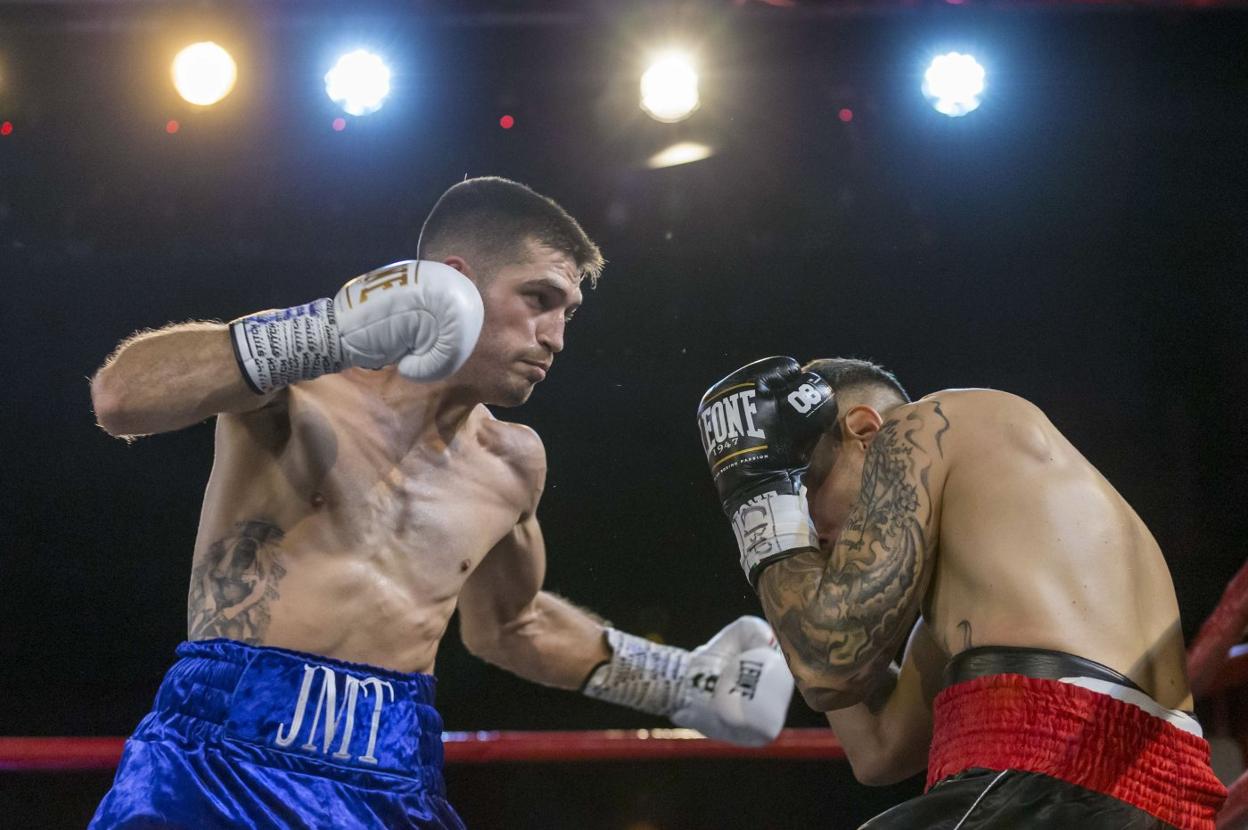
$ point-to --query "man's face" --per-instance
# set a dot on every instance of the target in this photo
(833, 483)
(527, 306)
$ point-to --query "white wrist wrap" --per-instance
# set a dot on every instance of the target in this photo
(641, 675)
(770, 526)
(278, 348)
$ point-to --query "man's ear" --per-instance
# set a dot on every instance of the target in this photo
(862, 422)
(461, 265)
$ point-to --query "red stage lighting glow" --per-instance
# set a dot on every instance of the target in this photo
(846, 115)
(6, 128)
(506, 122)
(172, 126)
(339, 124)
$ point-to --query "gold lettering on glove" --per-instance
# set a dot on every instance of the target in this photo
(384, 279)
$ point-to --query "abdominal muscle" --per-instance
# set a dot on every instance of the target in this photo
(360, 560)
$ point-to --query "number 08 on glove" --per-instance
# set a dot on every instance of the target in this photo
(758, 427)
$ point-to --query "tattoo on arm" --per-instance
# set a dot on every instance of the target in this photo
(843, 620)
(234, 582)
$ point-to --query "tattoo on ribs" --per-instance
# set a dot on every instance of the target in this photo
(965, 627)
(845, 617)
(234, 582)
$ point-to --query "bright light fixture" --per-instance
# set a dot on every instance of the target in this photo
(954, 83)
(669, 88)
(359, 82)
(204, 73)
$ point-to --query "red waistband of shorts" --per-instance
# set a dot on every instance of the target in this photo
(1091, 740)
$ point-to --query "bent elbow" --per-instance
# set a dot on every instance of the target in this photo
(874, 773)
(106, 402)
(879, 767)
(478, 642)
(822, 697)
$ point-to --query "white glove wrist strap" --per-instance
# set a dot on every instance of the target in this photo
(278, 348)
(640, 675)
(771, 526)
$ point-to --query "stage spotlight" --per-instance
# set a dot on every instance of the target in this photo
(953, 83)
(683, 152)
(359, 82)
(669, 88)
(204, 73)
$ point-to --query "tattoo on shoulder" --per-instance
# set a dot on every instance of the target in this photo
(234, 583)
(941, 432)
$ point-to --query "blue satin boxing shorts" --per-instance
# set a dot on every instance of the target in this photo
(246, 736)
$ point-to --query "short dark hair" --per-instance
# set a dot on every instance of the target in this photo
(493, 217)
(844, 373)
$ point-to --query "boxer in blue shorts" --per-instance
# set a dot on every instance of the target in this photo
(362, 492)
(245, 737)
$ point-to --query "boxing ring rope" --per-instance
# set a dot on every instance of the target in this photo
(68, 754)
(1217, 665)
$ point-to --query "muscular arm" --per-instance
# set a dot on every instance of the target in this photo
(160, 381)
(841, 617)
(506, 619)
(887, 736)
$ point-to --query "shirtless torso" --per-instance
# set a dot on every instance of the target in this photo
(961, 520)
(350, 515)
(337, 523)
(1037, 549)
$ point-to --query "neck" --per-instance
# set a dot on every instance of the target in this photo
(431, 413)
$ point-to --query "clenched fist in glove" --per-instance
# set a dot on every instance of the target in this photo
(422, 315)
(734, 688)
(758, 427)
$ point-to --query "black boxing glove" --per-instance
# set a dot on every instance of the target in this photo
(759, 426)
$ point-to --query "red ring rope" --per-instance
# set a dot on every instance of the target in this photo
(1209, 652)
(1216, 662)
(64, 754)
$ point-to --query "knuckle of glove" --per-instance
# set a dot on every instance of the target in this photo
(754, 425)
(754, 632)
(456, 314)
(425, 315)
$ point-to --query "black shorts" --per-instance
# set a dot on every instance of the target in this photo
(980, 798)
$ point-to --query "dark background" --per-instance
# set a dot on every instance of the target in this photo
(1079, 240)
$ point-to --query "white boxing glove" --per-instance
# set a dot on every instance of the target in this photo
(736, 688)
(422, 315)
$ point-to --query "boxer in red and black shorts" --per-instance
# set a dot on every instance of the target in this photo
(1042, 682)
(1031, 737)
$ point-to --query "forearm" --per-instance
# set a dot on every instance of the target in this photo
(169, 379)
(551, 642)
(813, 637)
(887, 737)
(863, 732)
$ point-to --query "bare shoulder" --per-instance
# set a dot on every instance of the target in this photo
(981, 419)
(518, 445)
(981, 401)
